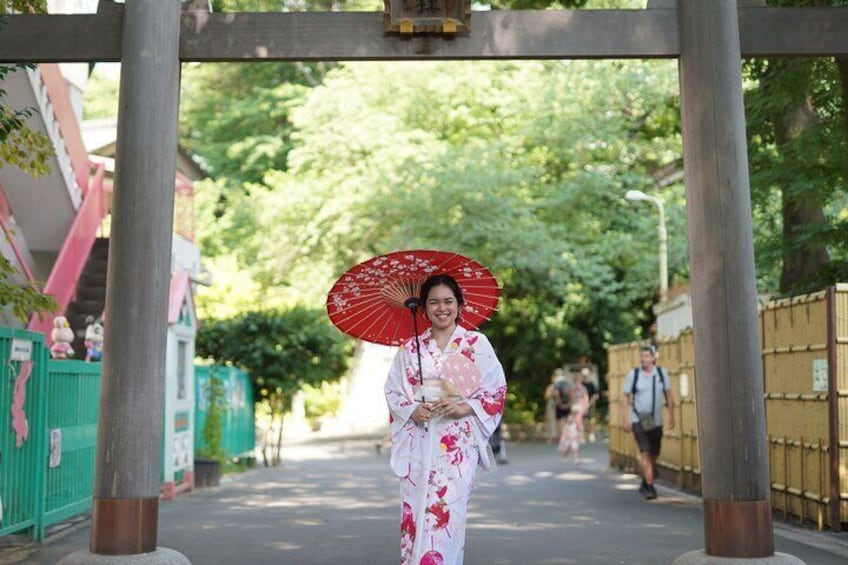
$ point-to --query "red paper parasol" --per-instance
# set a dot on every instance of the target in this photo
(370, 301)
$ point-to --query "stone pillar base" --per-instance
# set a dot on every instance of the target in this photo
(700, 557)
(162, 556)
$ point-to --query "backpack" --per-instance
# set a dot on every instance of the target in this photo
(564, 389)
(636, 377)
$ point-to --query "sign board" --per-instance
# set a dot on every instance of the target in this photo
(684, 385)
(820, 380)
(427, 16)
(21, 350)
(55, 448)
(181, 422)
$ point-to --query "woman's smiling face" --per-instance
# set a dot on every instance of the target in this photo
(442, 307)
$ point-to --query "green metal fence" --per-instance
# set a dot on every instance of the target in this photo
(48, 430)
(239, 435)
(73, 403)
(48, 434)
(22, 446)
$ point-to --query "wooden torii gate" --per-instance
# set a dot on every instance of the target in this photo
(708, 37)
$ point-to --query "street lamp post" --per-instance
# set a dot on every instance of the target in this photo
(637, 195)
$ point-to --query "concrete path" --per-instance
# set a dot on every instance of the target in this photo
(337, 503)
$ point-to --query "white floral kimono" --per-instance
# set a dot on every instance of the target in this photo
(436, 462)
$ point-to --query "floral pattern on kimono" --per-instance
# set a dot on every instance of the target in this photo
(436, 463)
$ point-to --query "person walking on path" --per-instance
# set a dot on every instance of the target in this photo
(644, 389)
(572, 432)
(578, 399)
(562, 401)
(439, 435)
(589, 415)
(551, 428)
(571, 438)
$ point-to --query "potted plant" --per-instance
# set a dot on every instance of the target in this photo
(209, 457)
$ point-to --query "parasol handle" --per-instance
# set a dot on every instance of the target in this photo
(413, 303)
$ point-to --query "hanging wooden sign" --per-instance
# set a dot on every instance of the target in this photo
(409, 17)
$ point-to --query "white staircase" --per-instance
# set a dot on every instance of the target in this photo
(44, 207)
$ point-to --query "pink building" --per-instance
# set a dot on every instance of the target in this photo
(56, 231)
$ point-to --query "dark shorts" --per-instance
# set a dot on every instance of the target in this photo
(562, 413)
(648, 442)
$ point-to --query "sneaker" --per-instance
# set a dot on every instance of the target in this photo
(643, 488)
(651, 492)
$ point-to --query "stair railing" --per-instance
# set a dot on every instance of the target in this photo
(71, 261)
(61, 123)
(11, 236)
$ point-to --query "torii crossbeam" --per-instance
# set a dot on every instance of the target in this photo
(358, 36)
(708, 37)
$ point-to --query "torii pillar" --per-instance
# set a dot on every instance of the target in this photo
(125, 510)
(731, 416)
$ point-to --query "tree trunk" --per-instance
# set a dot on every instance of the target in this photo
(803, 257)
(842, 66)
(266, 442)
(278, 448)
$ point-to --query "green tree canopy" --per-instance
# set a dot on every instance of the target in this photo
(522, 166)
(798, 146)
(281, 350)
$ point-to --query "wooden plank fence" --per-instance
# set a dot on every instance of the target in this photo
(805, 370)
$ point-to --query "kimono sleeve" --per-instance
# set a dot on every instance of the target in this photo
(488, 401)
(401, 406)
(398, 395)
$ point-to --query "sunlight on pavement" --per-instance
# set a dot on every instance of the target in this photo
(348, 502)
(322, 452)
(584, 519)
(544, 503)
(307, 522)
(284, 546)
(513, 527)
(516, 480)
(575, 476)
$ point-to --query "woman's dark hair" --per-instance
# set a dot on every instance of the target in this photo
(437, 280)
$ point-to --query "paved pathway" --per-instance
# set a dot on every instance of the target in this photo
(337, 503)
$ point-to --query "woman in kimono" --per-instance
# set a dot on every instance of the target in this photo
(440, 430)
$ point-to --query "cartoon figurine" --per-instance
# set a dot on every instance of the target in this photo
(62, 336)
(93, 339)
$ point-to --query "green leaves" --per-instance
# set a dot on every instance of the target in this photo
(281, 350)
(24, 6)
(236, 117)
(521, 165)
(798, 142)
(20, 146)
(23, 297)
(213, 425)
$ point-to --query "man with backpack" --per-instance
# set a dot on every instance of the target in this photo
(562, 399)
(644, 389)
